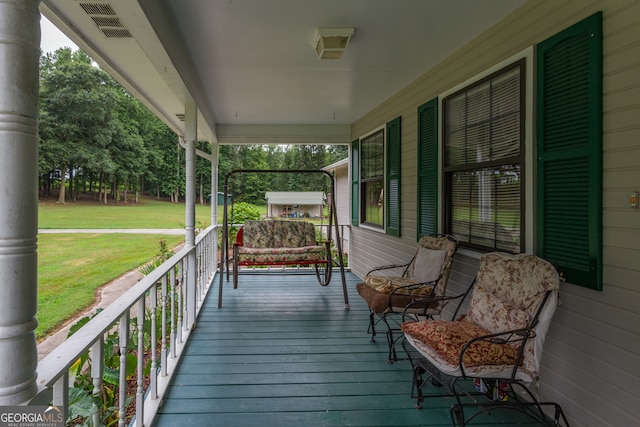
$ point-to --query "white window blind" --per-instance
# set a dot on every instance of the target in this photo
(483, 144)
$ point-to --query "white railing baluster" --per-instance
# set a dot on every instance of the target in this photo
(163, 345)
(179, 290)
(198, 274)
(153, 305)
(140, 363)
(61, 392)
(97, 369)
(122, 383)
(172, 338)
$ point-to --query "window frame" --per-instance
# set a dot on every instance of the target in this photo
(391, 204)
(363, 181)
(448, 171)
(536, 158)
(528, 198)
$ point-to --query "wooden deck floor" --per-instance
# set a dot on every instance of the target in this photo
(283, 351)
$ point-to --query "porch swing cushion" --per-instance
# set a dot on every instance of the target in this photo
(277, 242)
(278, 234)
(289, 255)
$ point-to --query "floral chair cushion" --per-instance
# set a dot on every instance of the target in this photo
(388, 284)
(508, 291)
(518, 280)
(447, 339)
(493, 314)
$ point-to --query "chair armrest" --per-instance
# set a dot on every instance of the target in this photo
(521, 336)
(387, 267)
(426, 302)
(401, 290)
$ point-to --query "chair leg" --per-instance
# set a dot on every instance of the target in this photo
(457, 415)
(393, 357)
(529, 406)
(235, 272)
(390, 342)
(417, 386)
(372, 325)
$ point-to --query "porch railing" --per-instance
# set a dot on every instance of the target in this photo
(150, 323)
(151, 318)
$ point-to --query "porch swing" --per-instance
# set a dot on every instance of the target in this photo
(281, 242)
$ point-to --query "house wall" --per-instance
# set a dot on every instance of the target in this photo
(591, 364)
(343, 188)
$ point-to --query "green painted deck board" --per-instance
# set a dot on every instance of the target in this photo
(283, 351)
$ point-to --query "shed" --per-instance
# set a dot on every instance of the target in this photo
(295, 204)
(221, 198)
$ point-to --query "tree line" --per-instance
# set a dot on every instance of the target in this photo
(96, 139)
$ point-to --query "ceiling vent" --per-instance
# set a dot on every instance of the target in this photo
(330, 43)
(105, 18)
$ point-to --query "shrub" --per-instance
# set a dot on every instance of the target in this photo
(243, 211)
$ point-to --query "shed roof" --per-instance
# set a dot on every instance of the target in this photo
(337, 165)
(294, 197)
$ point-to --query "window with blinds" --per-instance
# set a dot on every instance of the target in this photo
(483, 161)
(372, 179)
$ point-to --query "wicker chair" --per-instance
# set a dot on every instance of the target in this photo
(497, 345)
(388, 289)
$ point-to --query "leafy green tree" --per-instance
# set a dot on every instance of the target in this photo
(76, 111)
(161, 143)
(128, 150)
(94, 132)
(172, 182)
(203, 174)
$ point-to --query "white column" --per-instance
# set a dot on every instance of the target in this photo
(214, 183)
(190, 136)
(19, 53)
(214, 205)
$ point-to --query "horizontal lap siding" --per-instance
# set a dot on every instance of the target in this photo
(592, 353)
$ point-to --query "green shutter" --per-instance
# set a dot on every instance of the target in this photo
(394, 166)
(569, 151)
(355, 183)
(428, 168)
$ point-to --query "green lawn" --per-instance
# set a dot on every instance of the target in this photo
(150, 213)
(71, 267)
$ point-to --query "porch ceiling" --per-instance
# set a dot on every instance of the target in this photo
(250, 65)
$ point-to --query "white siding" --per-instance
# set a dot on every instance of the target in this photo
(591, 364)
(343, 186)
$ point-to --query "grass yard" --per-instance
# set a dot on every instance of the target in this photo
(71, 268)
(149, 213)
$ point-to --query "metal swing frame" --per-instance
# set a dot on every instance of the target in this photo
(333, 222)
